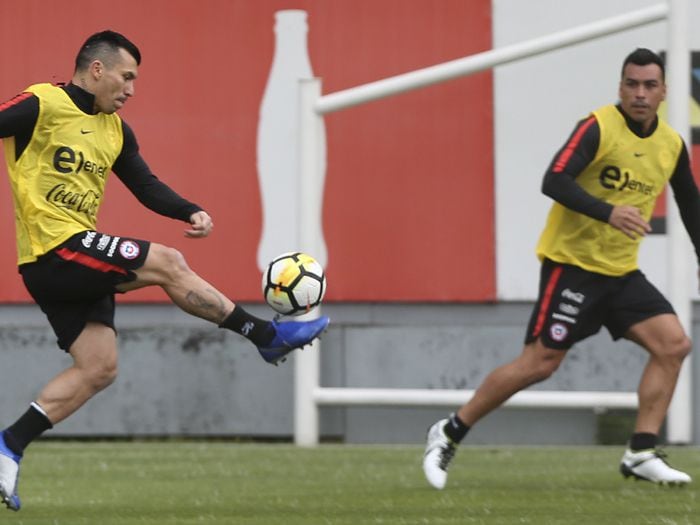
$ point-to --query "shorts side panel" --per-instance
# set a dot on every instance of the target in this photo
(571, 305)
(86, 267)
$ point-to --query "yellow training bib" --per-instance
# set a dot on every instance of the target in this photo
(627, 170)
(59, 179)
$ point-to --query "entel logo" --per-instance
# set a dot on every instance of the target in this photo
(613, 179)
(64, 160)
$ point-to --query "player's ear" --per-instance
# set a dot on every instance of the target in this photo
(96, 69)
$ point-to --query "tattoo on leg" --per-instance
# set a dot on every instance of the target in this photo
(210, 306)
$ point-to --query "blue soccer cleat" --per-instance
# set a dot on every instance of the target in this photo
(291, 335)
(9, 475)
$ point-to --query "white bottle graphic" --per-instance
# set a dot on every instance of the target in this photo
(278, 142)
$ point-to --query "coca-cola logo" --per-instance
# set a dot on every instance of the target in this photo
(83, 202)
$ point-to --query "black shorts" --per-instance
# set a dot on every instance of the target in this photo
(75, 282)
(574, 303)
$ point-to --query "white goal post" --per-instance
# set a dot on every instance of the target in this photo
(309, 395)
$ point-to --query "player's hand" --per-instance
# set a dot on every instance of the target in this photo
(201, 225)
(629, 221)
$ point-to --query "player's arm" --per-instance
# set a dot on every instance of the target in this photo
(559, 181)
(560, 184)
(157, 196)
(687, 197)
(18, 117)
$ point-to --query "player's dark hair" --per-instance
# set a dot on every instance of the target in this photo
(103, 46)
(643, 57)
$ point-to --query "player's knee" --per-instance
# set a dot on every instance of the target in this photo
(679, 348)
(102, 374)
(541, 362)
(171, 263)
(545, 369)
(534, 371)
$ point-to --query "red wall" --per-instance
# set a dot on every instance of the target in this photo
(408, 210)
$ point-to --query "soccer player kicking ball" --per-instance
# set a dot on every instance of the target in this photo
(61, 142)
(605, 181)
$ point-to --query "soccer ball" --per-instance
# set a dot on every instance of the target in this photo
(293, 283)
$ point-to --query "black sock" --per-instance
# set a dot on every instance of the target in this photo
(26, 429)
(643, 441)
(259, 331)
(455, 429)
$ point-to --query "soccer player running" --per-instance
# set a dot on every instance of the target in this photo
(605, 181)
(61, 142)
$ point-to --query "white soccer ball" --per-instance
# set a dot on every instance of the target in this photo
(293, 283)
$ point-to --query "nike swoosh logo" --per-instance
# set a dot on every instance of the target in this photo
(639, 154)
(86, 131)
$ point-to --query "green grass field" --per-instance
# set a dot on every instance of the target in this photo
(190, 482)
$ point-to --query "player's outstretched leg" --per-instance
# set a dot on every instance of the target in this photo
(290, 335)
(650, 465)
(439, 451)
(9, 475)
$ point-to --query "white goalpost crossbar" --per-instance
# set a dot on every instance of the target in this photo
(309, 395)
(486, 60)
